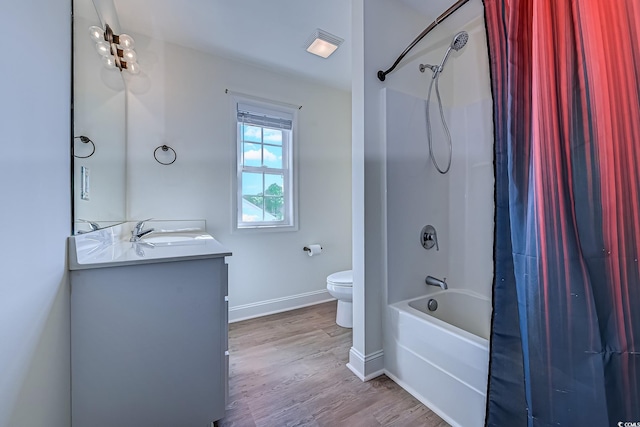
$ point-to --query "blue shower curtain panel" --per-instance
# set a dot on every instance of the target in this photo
(565, 343)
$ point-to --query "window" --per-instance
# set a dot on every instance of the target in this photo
(264, 173)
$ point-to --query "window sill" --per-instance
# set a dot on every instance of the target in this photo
(265, 229)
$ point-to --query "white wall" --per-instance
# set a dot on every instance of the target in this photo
(374, 47)
(179, 99)
(35, 213)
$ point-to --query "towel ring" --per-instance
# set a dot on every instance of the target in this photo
(84, 140)
(165, 148)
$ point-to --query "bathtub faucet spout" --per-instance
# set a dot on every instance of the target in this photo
(430, 280)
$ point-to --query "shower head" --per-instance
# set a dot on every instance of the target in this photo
(459, 40)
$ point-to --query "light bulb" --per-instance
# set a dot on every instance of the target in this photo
(103, 48)
(108, 62)
(126, 41)
(96, 33)
(129, 55)
(133, 68)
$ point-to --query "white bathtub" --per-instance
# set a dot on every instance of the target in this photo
(442, 357)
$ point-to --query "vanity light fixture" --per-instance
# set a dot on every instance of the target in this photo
(116, 50)
(322, 43)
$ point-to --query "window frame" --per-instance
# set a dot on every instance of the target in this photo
(289, 164)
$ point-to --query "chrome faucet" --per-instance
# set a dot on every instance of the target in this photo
(430, 280)
(138, 231)
(92, 225)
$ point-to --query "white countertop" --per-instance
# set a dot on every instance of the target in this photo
(110, 247)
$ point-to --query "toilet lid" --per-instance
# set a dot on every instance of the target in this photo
(341, 277)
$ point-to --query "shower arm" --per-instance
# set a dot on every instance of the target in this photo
(382, 75)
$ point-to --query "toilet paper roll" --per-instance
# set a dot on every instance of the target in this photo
(313, 249)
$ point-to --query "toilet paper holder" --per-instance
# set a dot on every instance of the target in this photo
(308, 249)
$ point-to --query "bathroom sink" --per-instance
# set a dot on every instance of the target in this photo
(169, 241)
(168, 238)
(176, 238)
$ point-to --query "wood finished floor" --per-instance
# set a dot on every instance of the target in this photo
(289, 369)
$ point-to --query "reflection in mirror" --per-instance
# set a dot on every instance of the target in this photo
(99, 141)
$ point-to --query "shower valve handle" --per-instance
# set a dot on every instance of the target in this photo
(429, 237)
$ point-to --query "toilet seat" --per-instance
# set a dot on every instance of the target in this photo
(341, 278)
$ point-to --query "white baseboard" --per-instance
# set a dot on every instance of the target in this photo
(278, 305)
(366, 367)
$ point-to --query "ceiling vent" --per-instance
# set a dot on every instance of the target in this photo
(322, 43)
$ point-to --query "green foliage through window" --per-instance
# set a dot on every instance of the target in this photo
(273, 201)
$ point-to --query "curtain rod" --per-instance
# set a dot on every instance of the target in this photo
(382, 75)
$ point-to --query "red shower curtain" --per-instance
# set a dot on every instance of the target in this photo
(565, 344)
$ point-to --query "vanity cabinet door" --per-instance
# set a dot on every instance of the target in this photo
(148, 344)
(225, 323)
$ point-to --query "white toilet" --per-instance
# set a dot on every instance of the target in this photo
(340, 286)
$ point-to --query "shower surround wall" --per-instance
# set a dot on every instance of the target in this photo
(381, 29)
(459, 205)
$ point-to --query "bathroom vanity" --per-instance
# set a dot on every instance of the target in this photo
(148, 329)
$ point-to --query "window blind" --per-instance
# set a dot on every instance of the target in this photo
(264, 118)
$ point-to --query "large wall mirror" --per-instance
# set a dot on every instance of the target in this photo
(99, 124)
